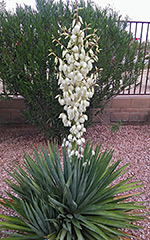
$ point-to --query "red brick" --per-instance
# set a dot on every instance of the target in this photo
(140, 101)
(17, 117)
(95, 118)
(121, 102)
(5, 116)
(105, 118)
(4, 104)
(117, 116)
(17, 103)
(115, 109)
(138, 117)
(135, 110)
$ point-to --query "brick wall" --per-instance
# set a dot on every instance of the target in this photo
(129, 109)
(10, 110)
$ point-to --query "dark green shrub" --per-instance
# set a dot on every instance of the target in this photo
(75, 199)
(26, 68)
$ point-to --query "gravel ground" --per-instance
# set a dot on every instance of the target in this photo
(130, 143)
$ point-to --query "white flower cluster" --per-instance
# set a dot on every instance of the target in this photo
(76, 81)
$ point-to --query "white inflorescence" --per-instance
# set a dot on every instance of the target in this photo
(76, 81)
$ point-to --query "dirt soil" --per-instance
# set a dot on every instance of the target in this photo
(131, 144)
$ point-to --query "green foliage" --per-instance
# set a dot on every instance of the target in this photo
(70, 199)
(26, 68)
(115, 127)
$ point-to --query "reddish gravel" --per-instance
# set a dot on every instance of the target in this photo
(130, 143)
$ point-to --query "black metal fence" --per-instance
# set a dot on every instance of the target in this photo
(141, 33)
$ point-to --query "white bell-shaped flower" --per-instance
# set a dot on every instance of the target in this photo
(76, 29)
(82, 57)
(79, 76)
(64, 68)
(75, 49)
(69, 44)
(74, 38)
(61, 101)
(76, 55)
(70, 137)
(79, 127)
(71, 75)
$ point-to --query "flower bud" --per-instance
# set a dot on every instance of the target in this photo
(79, 142)
(83, 130)
(81, 120)
(72, 153)
(67, 143)
(83, 51)
(83, 71)
(63, 116)
(70, 137)
(76, 56)
(93, 152)
(78, 90)
(76, 29)
(69, 44)
(78, 135)
(75, 49)
(83, 64)
(71, 75)
(67, 56)
(82, 56)
(89, 66)
(77, 154)
(79, 76)
(61, 101)
(64, 68)
(74, 38)
(85, 117)
(79, 127)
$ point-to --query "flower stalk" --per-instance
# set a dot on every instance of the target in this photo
(76, 79)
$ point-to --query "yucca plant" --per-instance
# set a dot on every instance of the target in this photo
(73, 197)
(69, 198)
